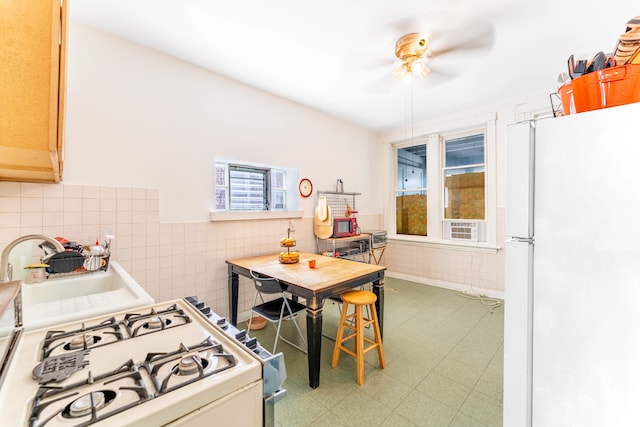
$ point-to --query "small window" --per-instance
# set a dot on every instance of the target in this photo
(248, 188)
(241, 187)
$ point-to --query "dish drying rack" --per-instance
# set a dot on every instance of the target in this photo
(104, 265)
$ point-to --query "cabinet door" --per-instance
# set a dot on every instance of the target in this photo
(32, 55)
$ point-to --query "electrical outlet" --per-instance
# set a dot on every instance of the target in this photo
(292, 225)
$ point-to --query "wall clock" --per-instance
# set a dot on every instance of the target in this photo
(305, 187)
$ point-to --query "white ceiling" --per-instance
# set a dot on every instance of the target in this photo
(337, 56)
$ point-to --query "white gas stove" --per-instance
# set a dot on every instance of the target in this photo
(162, 364)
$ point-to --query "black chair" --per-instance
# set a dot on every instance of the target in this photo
(276, 310)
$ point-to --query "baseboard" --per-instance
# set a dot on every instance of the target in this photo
(472, 290)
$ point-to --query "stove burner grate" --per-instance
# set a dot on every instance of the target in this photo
(83, 338)
(67, 401)
(154, 321)
(189, 363)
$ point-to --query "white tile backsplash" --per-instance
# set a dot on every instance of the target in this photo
(10, 204)
(169, 260)
(172, 260)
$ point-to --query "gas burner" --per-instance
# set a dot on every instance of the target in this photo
(190, 365)
(186, 365)
(157, 322)
(85, 405)
(92, 399)
(82, 341)
(62, 342)
(153, 321)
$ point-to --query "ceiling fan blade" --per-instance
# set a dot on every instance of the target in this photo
(370, 74)
(478, 36)
(423, 23)
(447, 30)
(434, 78)
(383, 85)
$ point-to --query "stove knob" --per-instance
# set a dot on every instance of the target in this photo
(221, 321)
(206, 310)
(252, 343)
(241, 336)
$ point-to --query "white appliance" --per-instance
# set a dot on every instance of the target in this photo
(159, 365)
(572, 293)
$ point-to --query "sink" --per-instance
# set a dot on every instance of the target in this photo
(72, 298)
(96, 285)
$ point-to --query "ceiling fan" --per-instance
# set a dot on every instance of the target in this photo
(436, 47)
(410, 51)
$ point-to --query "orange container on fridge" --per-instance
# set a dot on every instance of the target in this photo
(601, 89)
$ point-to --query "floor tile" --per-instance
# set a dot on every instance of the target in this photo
(444, 390)
(483, 409)
(464, 421)
(491, 385)
(426, 411)
(385, 388)
(361, 409)
(444, 358)
(459, 372)
(397, 420)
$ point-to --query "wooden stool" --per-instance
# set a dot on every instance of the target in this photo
(357, 322)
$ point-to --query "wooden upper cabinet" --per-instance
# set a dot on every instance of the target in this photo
(33, 36)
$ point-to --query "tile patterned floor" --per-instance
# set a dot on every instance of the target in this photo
(444, 357)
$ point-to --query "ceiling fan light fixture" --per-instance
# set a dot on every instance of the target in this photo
(405, 70)
(410, 51)
(400, 70)
(419, 68)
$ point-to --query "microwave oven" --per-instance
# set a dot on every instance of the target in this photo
(344, 227)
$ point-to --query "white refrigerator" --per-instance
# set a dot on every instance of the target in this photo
(572, 275)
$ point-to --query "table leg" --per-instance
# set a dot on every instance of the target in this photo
(234, 283)
(378, 289)
(314, 344)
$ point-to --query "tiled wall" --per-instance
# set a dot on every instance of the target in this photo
(469, 269)
(170, 260)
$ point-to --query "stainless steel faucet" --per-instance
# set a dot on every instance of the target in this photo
(6, 272)
(6, 269)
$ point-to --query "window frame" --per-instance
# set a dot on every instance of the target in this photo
(444, 138)
(264, 173)
(433, 131)
(284, 185)
(423, 191)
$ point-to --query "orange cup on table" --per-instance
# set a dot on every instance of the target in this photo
(312, 263)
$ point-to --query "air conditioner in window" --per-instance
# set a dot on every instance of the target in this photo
(470, 231)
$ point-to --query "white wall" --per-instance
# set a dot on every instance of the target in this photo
(139, 118)
(142, 132)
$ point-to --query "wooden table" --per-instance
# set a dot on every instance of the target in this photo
(332, 276)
